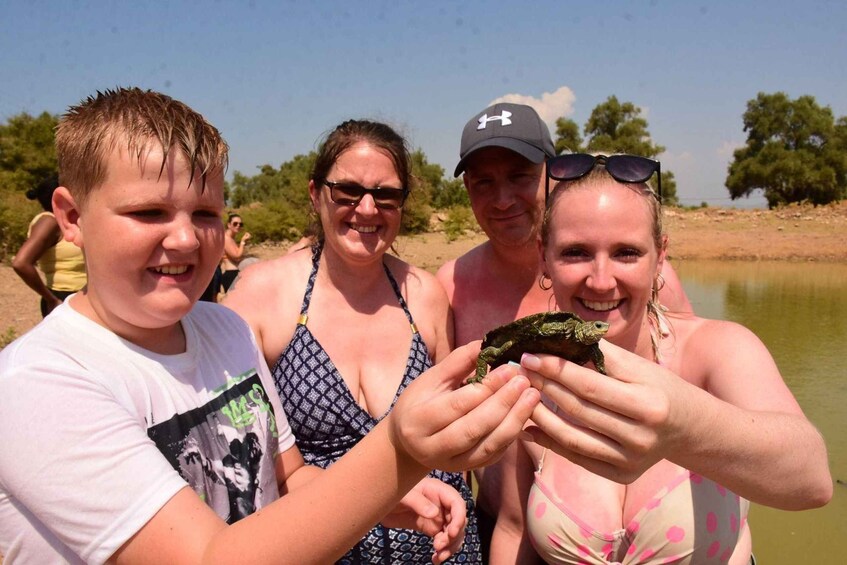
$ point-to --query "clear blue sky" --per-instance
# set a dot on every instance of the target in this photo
(275, 76)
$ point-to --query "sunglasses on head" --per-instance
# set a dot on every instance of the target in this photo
(351, 193)
(622, 168)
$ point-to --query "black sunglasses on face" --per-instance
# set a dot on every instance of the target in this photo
(350, 194)
(237, 224)
(622, 168)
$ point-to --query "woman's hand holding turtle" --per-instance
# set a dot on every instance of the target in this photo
(616, 426)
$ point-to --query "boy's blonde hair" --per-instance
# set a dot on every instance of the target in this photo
(135, 119)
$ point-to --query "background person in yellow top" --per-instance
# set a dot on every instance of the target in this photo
(502, 155)
(156, 424)
(61, 261)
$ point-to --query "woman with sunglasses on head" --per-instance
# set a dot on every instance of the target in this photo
(656, 462)
(233, 250)
(346, 326)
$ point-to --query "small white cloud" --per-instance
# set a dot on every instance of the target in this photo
(550, 106)
(675, 160)
(683, 165)
(727, 148)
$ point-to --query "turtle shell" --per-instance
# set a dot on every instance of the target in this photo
(563, 334)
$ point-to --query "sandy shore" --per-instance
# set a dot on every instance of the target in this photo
(796, 233)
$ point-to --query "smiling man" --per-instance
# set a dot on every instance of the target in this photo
(502, 157)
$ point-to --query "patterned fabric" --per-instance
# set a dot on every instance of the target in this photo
(74, 487)
(327, 422)
(690, 521)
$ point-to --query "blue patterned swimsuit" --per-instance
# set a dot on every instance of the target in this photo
(327, 422)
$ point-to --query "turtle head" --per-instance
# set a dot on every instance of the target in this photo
(591, 331)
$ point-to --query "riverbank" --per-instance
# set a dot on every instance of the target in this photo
(794, 233)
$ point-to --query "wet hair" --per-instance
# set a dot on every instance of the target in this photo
(351, 132)
(137, 121)
(43, 192)
(596, 176)
(377, 134)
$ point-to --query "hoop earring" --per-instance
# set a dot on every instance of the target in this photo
(545, 286)
(658, 285)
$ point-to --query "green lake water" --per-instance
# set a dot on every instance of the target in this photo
(799, 310)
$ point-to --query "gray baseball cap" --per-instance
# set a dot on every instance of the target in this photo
(513, 126)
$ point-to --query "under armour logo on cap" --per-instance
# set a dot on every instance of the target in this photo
(527, 135)
(504, 118)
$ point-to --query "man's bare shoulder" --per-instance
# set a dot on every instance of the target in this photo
(466, 269)
(445, 274)
(481, 296)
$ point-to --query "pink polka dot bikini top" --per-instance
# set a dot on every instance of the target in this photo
(692, 520)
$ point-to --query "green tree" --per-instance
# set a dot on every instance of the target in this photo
(619, 128)
(427, 177)
(27, 155)
(275, 202)
(289, 183)
(615, 127)
(15, 214)
(452, 193)
(27, 150)
(426, 182)
(568, 138)
(796, 151)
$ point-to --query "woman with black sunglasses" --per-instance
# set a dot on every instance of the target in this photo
(656, 462)
(233, 250)
(346, 326)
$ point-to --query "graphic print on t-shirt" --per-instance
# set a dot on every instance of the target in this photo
(220, 448)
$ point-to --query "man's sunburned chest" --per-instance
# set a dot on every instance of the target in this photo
(474, 318)
(488, 293)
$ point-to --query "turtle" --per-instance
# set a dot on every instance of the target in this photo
(558, 333)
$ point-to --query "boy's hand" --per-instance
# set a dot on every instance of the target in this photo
(444, 425)
(436, 509)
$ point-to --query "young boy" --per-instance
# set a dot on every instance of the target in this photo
(139, 425)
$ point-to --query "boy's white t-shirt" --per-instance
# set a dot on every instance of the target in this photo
(86, 417)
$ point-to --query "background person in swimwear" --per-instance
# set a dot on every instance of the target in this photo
(233, 250)
(346, 326)
(656, 460)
